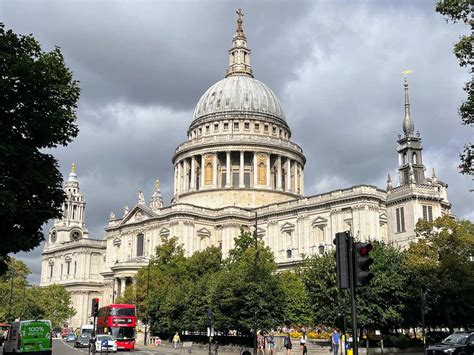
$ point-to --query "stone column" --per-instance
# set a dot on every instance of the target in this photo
(288, 175)
(180, 172)
(295, 173)
(241, 170)
(122, 285)
(176, 179)
(214, 171)
(255, 172)
(279, 179)
(185, 175)
(302, 181)
(202, 172)
(193, 173)
(269, 183)
(227, 169)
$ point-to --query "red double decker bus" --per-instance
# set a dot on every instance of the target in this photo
(120, 321)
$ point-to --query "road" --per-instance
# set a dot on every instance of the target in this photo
(60, 347)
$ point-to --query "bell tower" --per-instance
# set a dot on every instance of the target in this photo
(410, 162)
(71, 227)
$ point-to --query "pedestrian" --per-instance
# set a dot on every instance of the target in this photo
(271, 344)
(260, 343)
(335, 339)
(176, 340)
(303, 348)
(288, 344)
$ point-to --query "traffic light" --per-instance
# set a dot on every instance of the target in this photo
(95, 307)
(342, 259)
(362, 262)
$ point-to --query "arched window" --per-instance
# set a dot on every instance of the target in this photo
(414, 158)
(140, 241)
(404, 158)
(289, 253)
(321, 249)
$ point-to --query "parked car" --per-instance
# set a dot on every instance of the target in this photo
(71, 338)
(104, 342)
(29, 336)
(458, 343)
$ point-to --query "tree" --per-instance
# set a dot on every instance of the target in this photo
(18, 299)
(441, 262)
(296, 304)
(248, 290)
(38, 98)
(454, 11)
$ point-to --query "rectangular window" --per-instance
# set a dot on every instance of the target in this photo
(265, 128)
(235, 179)
(216, 127)
(247, 179)
(207, 129)
(200, 131)
(274, 130)
(226, 126)
(236, 125)
(224, 177)
(68, 267)
(75, 267)
(51, 271)
(247, 125)
(257, 126)
(400, 215)
(140, 240)
(428, 213)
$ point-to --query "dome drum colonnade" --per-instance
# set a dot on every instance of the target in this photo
(238, 140)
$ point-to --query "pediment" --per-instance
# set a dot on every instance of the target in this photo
(203, 233)
(383, 218)
(138, 214)
(117, 242)
(287, 227)
(260, 232)
(319, 221)
(164, 232)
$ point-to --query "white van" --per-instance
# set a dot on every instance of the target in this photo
(85, 335)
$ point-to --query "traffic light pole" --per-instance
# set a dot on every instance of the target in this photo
(353, 295)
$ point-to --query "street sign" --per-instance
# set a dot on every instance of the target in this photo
(104, 343)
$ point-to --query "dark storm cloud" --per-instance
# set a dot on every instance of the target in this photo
(336, 67)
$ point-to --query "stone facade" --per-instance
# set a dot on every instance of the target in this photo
(71, 258)
(238, 165)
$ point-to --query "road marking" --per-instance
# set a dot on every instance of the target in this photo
(72, 347)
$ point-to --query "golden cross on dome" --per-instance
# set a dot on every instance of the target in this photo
(157, 184)
(73, 169)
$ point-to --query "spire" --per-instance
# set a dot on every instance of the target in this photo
(408, 126)
(389, 182)
(239, 54)
(433, 176)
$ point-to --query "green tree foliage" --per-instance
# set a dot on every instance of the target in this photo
(38, 97)
(296, 304)
(441, 262)
(18, 299)
(383, 304)
(319, 278)
(455, 11)
(248, 289)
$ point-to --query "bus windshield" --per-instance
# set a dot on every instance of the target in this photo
(122, 312)
(123, 332)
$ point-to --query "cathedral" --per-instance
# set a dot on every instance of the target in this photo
(238, 167)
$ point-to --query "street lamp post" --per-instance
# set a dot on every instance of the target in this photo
(147, 302)
(255, 236)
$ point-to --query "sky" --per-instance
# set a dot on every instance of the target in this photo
(336, 67)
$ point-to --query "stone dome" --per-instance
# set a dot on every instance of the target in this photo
(239, 95)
